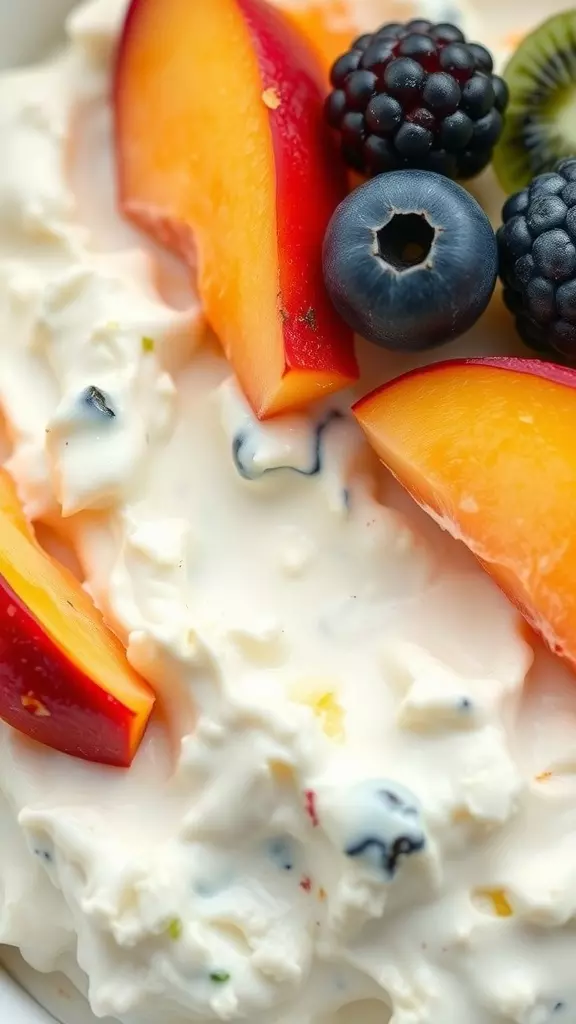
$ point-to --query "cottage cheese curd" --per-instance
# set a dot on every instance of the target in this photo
(351, 804)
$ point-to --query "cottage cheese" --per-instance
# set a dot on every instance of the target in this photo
(351, 803)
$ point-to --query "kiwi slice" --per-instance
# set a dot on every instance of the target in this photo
(540, 123)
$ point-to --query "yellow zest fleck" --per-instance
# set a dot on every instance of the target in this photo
(32, 704)
(543, 777)
(461, 815)
(271, 98)
(321, 894)
(320, 696)
(513, 39)
(493, 900)
(174, 928)
(281, 771)
(147, 344)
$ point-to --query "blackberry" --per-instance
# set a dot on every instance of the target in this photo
(421, 96)
(537, 253)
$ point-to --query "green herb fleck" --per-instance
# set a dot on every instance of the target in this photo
(147, 344)
(220, 977)
(174, 929)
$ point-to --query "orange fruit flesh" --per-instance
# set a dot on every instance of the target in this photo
(66, 613)
(188, 185)
(331, 25)
(201, 167)
(491, 454)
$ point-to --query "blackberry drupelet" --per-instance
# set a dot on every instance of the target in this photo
(416, 95)
(537, 253)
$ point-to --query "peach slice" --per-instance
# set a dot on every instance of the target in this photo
(223, 155)
(64, 677)
(331, 25)
(488, 448)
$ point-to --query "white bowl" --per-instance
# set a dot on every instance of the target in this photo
(29, 28)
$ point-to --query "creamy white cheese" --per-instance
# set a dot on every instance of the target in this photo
(352, 804)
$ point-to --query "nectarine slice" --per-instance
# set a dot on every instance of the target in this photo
(329, 25)
(223, 155)
(64, 677)
(488, 448)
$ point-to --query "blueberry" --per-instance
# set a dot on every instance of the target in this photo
(410, 260)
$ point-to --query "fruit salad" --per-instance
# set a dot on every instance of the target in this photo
(287, 558)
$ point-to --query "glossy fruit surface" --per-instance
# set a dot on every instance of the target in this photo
(488, 448)
(541, 80)
(64, 677)
(327, 24)
(416, 95)
(410, 260)
(537, 255)
(223, 154)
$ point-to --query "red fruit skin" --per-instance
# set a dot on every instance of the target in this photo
(534, 367)
(300, 349)
(48, 698)
(310, 183)
(523, 528)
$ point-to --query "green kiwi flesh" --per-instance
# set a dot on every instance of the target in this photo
(540, 123)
